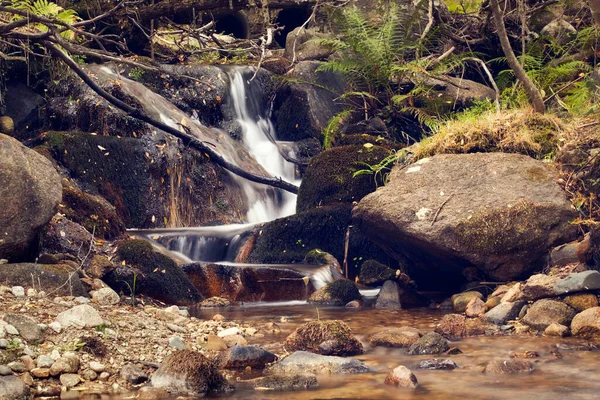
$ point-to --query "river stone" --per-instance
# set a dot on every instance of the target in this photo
(67, 364)
(177, 343)
(436, 364)
(18, 367)
(513, 294)
(505, 213)
(402, 377)
(475, 308)
(587, 323)
(389, 296)
(41, 373)
(544, 312)
(4, 370)
(106, 297)
(189, 373)
(395, 337)
(504, 312)
(555, 329)
(335, 334)
(133, 374)
(286, 382)
(82, 315)
(578, 282)
(18, 291)
(430, 343)
(512, 366)
(581, 301)
(69, 380)
(337, 293)
(97, 366)
(460, 300)
(44, 361)
(13, 388)
(246, 356)
(30, 189)
(305, 362)
(27, 327)
(538, 286)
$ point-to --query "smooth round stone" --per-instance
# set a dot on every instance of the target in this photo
(4, 370)
(69, 380)
(97, 367)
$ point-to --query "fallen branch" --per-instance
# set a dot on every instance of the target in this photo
(186, 139)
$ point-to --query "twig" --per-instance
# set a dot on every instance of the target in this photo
(303, 26)
(427, 27)
(440, 209)
(491, 79)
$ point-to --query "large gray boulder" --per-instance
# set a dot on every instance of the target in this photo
(30, 191)
(500, 213)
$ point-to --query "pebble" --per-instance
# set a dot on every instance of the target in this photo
(132, 374)
(402, 377)
(176, 328)
(218, 317)
(4, 343)
(41, 373)
(55, 326)
(27, 379)
(69, 380)
(4, 370)
(55, 354)
(44, 361)
(18, 291)
(11, 330)
(90, 375)
(97, 367)
(177, 343)
(31, 292)
(104, 376)
(28, 361)
(81, 300)
(230, 331)
(17, 366)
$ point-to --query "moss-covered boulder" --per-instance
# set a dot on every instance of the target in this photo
(336, 293)
(288, 240)
(329, 338)
(500, 213)
(152, 274)
(329, 177)
(373, 272)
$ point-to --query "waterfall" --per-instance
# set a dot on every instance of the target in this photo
(259, 137)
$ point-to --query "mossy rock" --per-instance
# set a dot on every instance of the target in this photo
(92, 212)
(153, 274)
(288, 240)
(373, 272)
(332, 338)
(329, 177)
(336, 293)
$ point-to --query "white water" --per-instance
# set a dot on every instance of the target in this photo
(257, 131)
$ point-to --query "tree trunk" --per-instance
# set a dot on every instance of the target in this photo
(535, 97)
(595, 7)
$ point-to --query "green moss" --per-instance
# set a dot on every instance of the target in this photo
(329, 176)
(374, 272)
(311, 335)
(156, 275)
(508, 230)
(343, 291)
(316, 256)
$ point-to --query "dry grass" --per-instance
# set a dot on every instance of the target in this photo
(513, 131)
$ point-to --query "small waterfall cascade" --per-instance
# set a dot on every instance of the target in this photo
(221, 243)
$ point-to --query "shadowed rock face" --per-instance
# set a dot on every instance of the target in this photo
(30, 190)
(497, 212)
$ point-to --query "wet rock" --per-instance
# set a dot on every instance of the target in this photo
(306, 362)
(311, 335)
(337, 293)
(151, 393)
(67, 364)
(189, 373)
(29, 182)
(457, 326)
(329, 177)
(402, 377)
(512, 366)
(555, 329)
(27, 327)
(511, 190)
(475, 308)
(106, 297)
(372, 272)
(524, 354)
(246, 356)
(587, 323)
(430, 343)
(395, 337)
(504, 312)
(12, 388)
(581, 301)
(437, 363)
(355, 304)
(156, 275)
(578, 282)
(539, 286)
(82, 315)
(133, 374)
(286, 382)
(215, 302)
(52, 276)
(544, 312)
(69, 380)
(460, 300)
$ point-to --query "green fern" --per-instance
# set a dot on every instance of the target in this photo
(48, 9)
(333, 128)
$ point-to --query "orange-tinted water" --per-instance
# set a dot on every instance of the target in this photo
(575, 376)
